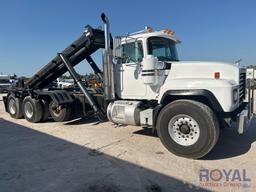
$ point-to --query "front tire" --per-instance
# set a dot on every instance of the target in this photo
(188, 128)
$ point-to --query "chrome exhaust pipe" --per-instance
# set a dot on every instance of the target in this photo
(108, 72)
(106, 31)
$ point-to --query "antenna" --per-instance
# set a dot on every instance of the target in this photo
(238, 62)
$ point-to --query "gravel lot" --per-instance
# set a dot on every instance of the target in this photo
(85, 156)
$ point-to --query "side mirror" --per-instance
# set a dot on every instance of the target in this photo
(149, 63)
(117, 48)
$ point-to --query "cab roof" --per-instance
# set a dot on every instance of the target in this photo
(148, 33)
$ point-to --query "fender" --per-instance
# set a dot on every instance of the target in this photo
(59, 96)
(185, 94)
(194, 93)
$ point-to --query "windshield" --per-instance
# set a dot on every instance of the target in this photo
(162, 48)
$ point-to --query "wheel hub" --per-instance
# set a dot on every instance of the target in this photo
(56, 110)
(184, 130)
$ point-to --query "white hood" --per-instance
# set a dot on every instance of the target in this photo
(204, 69)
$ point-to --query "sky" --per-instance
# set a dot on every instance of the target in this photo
(32, 32)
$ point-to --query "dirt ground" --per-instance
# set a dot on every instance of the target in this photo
(82, 155)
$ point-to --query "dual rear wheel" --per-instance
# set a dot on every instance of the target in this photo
(59, 113)
(35, 110)
(14, 107)
(32, 109)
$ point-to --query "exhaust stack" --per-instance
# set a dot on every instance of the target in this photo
(108, 72)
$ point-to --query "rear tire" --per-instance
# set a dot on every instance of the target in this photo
(188, 128)
(46, 112)
(32, 109)
(14, 107)
(59, 113)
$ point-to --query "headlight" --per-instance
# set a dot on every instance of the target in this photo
(235, 95)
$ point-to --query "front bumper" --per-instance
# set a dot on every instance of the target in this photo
(246, 117)
(245, 121)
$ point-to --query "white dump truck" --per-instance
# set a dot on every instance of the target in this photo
(145, 84)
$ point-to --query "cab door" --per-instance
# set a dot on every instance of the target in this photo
(131, 83)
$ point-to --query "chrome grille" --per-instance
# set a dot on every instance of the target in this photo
(242, 86)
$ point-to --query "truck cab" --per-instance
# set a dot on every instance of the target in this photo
(150, 69)
(134, 68)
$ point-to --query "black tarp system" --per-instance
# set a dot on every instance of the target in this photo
(89, 42)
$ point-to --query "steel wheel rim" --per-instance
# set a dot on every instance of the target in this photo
(28, 109)
(12, 106)
(184, 130)
(56, 112)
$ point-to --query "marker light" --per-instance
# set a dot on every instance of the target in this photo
(217, 75)
(168, 31)
(149, 29)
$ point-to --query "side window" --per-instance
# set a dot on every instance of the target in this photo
(132, 52)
